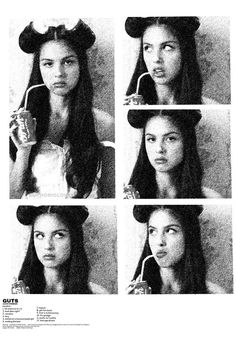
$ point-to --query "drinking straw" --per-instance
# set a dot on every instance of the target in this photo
(138, 82)
(27, 93)
(143, 263)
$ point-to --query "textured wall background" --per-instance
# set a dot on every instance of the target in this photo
(213, 47)
(100, 243)
(213, 136)
(101, 63)
(216, 241)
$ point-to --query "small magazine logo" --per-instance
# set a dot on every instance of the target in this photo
(10, 301)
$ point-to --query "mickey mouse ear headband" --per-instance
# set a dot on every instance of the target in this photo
(135, 26)
(27, 214)
(142, 212)
(139, 118)
(39, 32)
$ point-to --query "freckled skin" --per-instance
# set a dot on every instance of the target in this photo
(162, 54)
(59, 64)
(164, 144)
(166, 235)
(51, 239)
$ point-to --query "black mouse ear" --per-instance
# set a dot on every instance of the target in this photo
(134, 26)
(26, 214)
(83, 35)
(29, 39)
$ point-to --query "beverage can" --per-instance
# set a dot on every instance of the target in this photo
(142, 288)
(136, 100)
(19, 287)
(26, 128)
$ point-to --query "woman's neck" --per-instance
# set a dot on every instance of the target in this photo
(166, 186)
(58, 104)
(170, 282)
(54, 280)
(165, 94)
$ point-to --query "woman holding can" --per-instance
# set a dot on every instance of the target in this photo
(167, 60)
(175, 262)
(68, 159)
(168, 164)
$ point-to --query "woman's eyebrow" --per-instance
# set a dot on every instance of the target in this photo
(165, 134)
(64, 58)
(170, 225)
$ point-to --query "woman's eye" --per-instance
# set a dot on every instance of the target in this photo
(39, 236)
(59, 235)
(171, 231)
(147, 48)
(151, 231)
(171, 139)
(168, 47)
(69, 62)
(150, 139)
(47, 64)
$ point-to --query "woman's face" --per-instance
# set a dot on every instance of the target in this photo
(164, 144)
(51, 240)
(166, 238)
(59, 67)
(162, 54)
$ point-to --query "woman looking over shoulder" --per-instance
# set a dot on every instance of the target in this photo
(168, 54)
(168, 164)
(174, 260)
(67, 160)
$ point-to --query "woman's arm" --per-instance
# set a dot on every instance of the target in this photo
(17, 173)
(104, 124)
(107, 180)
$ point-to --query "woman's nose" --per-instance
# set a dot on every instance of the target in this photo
(157, 55)
(160, 147)
(161, 241)
(48, 243)
(59, 70)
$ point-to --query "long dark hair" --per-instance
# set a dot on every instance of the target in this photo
(191, 269)
(187, 85)
(84, 158)
(187, 176)
(76, 267)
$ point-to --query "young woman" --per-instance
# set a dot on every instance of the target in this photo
(168, 165)
(176, 263)
(56, 261)
(168, 53)
(68, 160)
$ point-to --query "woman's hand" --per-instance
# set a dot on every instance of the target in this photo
(128, 99)
(132, 285)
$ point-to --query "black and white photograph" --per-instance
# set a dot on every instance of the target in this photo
(177, 154)
(118, 161)
(176, 60)
(62, 99)
(179, 249)
(64, 250)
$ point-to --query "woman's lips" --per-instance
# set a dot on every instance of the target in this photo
(49, 257)
(160, 160)
(161, 254)
(158, 72)
(59, 84)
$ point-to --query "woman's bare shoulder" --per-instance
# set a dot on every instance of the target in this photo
(214, 288)
(206, 100)
(210, 193)
(98, 289)
(104, 123)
